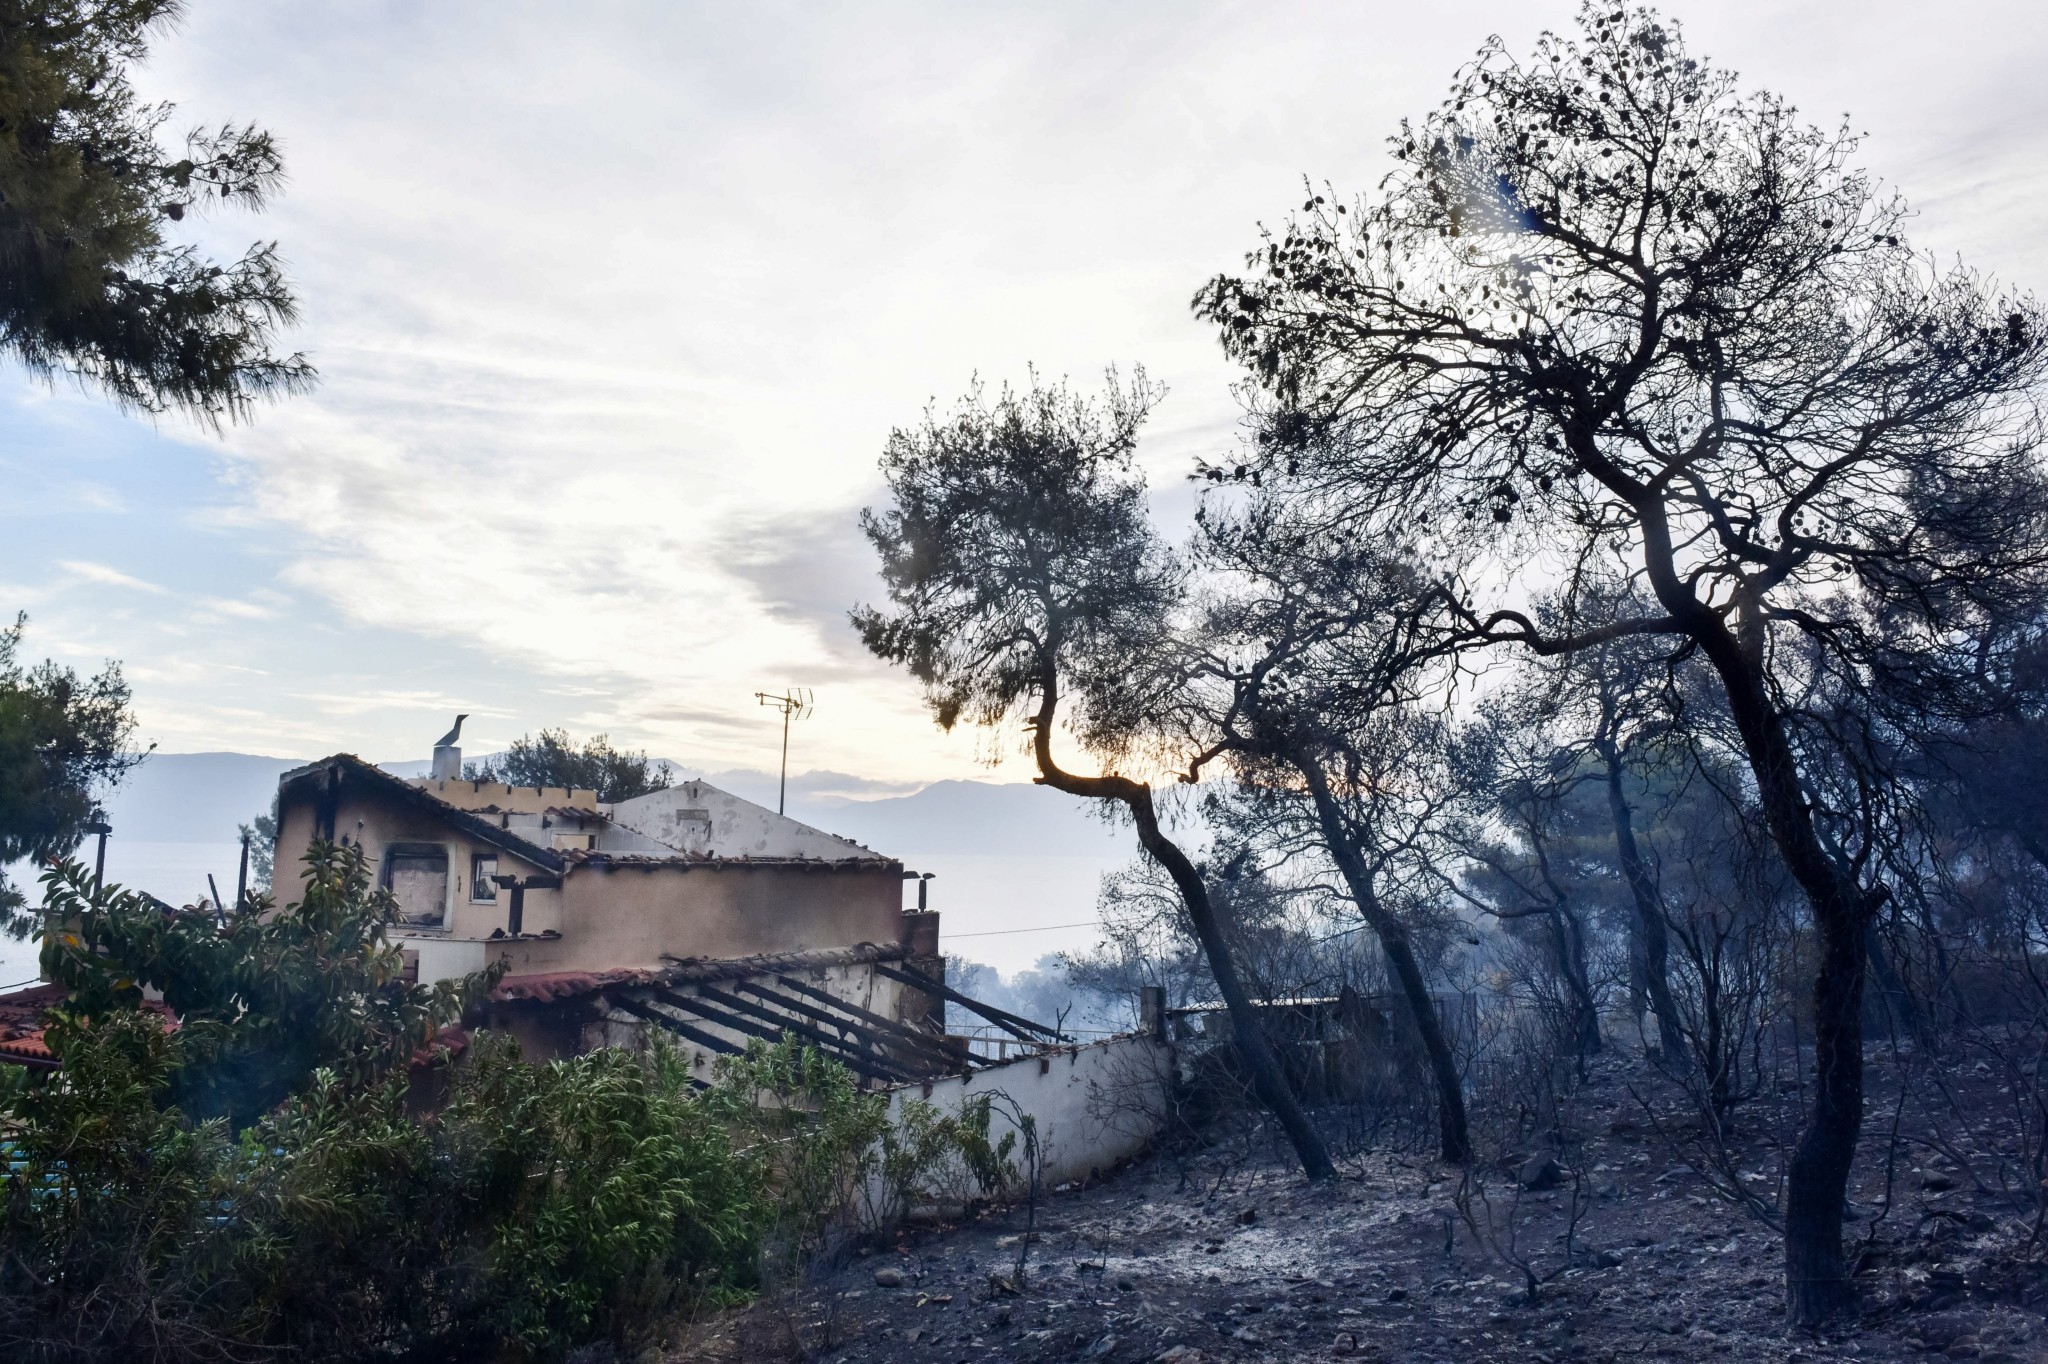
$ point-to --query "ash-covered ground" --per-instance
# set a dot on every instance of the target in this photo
(1191, 1258)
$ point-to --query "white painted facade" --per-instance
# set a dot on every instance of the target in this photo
(696, 817)
(1093, 1105)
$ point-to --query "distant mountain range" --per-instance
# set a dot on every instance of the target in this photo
(202, 797)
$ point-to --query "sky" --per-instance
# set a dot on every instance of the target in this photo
(615, 305)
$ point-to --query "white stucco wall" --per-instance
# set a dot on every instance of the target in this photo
(443, 957)
(697, 817)
(1094, 1105)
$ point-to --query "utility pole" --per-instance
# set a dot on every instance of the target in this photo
(242, 876)
(795, 704)
(99, 826)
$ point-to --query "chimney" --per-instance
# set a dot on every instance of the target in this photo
(447, 757)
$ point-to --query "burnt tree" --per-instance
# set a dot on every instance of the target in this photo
(1609, 309)
(1025, 581)
(1302, 669)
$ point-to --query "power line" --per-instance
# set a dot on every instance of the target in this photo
(1043, 928)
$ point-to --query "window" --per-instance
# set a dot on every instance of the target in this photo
(482, 867)
(416, 874)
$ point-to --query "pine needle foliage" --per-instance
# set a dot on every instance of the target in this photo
(93, 283)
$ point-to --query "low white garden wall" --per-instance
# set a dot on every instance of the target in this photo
(1094, 1105)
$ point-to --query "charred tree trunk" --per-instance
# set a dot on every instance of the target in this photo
(1568, 953)
(1898, 994)
(1571, 960)
(1638, 969)
(1715, 1056)
(1454, 1134)
(1267, 1075)
(1817, 1280)
(1268, 1078)
(1649, 921)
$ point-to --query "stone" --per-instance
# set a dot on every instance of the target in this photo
(1939, 1330)
(1178, 1354)
(1247, 1335)
(1606, 1259)
(889, 1276)
(1344, 1344)
(1397, 1295)
(1101, 1347)
(1541, 1172)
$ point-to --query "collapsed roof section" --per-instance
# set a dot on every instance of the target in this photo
(554, 828)
(331, 780)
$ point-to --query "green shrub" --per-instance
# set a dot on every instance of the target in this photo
(252, 1184)
(109, 1214)
(263, 998)
(603, 1195)
(546, 1206)
(834, 1162)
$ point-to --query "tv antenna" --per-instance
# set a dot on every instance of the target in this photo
(795, 704)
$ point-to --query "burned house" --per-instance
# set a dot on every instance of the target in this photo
(697, 915)
(690, 910)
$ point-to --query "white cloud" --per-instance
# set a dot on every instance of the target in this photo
(615, 307)
(216, 607)
(109, 577)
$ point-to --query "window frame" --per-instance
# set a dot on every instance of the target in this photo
(477, 880)
(408, 849)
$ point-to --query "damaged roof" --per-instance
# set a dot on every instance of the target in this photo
(23, 1016)
(348, 767)
(547, 986)
(831, 853)
(597, 857)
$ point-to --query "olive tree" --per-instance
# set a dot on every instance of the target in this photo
(1609, 309)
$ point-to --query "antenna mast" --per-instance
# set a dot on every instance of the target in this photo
(795, 704)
